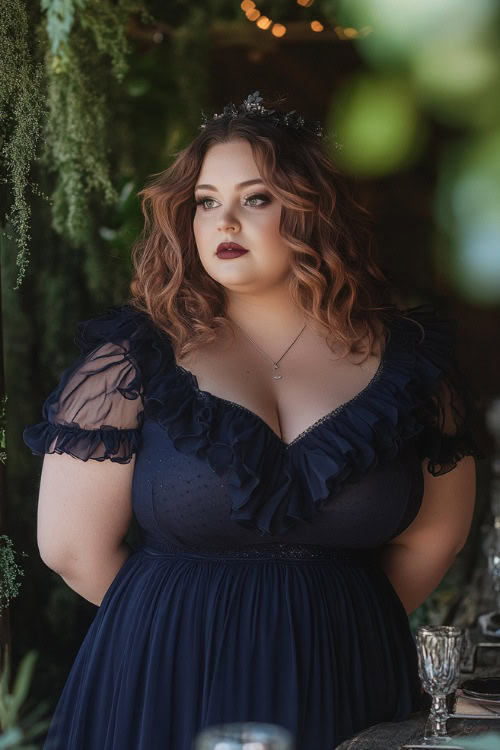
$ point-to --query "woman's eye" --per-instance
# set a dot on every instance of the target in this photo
(257, 196)
(202, 201)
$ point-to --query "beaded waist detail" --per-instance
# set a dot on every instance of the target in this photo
(266, 551)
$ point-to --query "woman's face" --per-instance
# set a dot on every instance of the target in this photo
(248, 215)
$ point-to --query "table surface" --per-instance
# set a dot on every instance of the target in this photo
(390, 735)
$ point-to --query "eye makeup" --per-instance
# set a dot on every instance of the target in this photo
(200, 200)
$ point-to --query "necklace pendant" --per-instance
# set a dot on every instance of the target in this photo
(277, 377)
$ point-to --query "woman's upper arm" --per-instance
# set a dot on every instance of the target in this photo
(84, 509)
(445, 516)
(447, 451)
(89, 437)
(447, 444)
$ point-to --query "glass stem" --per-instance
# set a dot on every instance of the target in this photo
(436, 723)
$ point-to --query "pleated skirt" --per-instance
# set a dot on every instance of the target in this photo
(307, 637)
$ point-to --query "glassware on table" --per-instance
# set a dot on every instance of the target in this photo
(439, 650)
(494, 572)
(248, 735)
(489, 622)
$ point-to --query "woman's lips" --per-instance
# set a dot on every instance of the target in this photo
(230, 253)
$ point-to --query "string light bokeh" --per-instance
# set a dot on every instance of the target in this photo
(277, 29)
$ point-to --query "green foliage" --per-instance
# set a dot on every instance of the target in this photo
(76, 145)
(16, 729)
(77, 142)
(3, 446)
(60, 17)
(9, 570)
(75, 39)
(22, 98)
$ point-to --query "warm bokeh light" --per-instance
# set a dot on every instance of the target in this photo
(252, 14)
(278, 30)
(316, 26)
(264, 22)
(247, 5)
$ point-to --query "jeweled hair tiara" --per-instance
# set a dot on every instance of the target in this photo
(252, 107)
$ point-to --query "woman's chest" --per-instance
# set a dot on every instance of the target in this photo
(309, 383)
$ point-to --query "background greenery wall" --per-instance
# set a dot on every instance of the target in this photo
(94, 97)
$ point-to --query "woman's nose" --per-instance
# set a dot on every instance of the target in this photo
(227, 221)
(229, 224)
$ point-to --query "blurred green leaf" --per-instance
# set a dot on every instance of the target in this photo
(477, 266)
(489, 741)
(138, 86)
(378, 124)
(469, 184)
(11, 738)
(401, 27)
(23, 679)
(466, 206)
(458, 82)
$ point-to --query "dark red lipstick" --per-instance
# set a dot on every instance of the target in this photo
(230, 250)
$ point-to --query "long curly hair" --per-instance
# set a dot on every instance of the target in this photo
(333, 276)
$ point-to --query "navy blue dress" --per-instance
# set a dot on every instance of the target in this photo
(255, 594)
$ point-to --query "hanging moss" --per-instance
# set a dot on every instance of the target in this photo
(76, 40)
(22, 103)
(60, 17)
(3, 446)
(77, 146)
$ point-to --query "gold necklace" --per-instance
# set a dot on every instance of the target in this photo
(275, 364)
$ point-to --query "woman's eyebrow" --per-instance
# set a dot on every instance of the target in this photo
(238, 186)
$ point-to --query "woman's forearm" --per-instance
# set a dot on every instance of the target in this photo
(94, 577)
(415, 572)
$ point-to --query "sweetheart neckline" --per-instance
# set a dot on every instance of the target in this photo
(193, 382)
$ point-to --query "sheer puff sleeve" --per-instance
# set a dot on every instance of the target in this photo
(96, 409)
(449, 409)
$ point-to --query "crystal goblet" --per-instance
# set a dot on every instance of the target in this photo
(439, 651)
(494, 572)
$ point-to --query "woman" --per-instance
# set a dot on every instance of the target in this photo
(284, 436)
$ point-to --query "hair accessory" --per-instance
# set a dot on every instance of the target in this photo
(252, 107)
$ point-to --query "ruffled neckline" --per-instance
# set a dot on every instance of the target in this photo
(274, 485)
(206, 395)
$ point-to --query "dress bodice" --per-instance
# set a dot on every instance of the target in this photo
(209, 471)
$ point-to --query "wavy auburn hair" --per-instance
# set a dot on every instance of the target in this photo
(333, 277)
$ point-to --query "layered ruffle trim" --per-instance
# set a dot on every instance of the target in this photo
(118, 445)
(273, 486)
